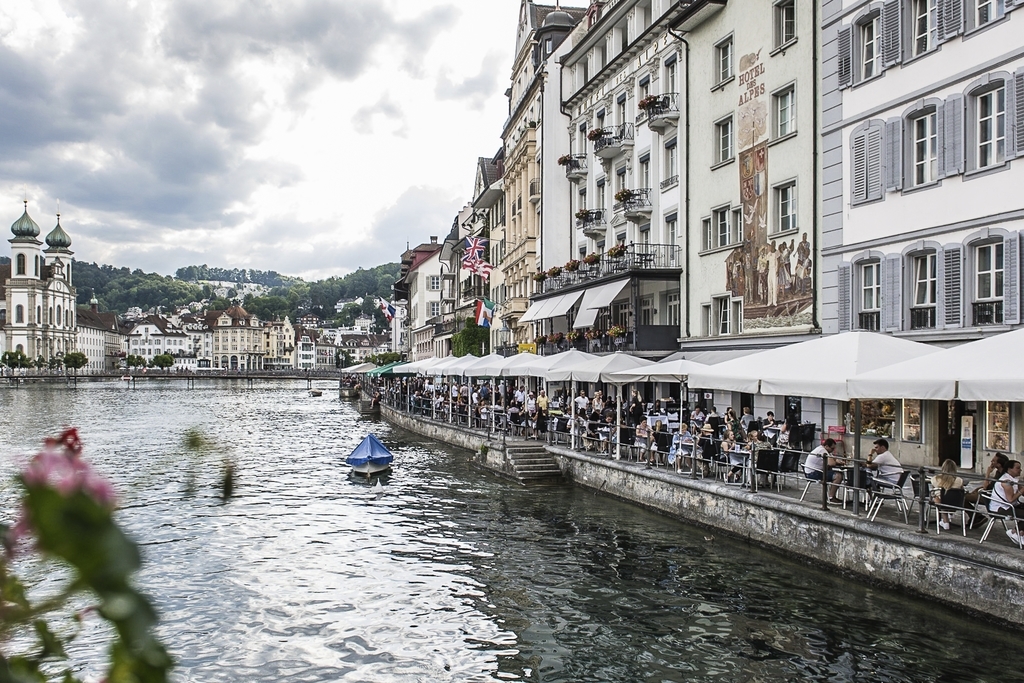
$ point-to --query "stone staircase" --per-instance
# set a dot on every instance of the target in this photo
(532, 464)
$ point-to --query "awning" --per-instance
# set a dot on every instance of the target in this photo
(536, 310)
(597, 298)
(564, 303)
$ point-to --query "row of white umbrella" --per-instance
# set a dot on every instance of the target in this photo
(840, 367)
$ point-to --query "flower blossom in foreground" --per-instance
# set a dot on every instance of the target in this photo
(60, 466)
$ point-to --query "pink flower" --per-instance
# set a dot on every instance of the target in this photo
(59, 466)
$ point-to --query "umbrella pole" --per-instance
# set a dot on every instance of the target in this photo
(856, 456)
(618, 422)
(572, 427)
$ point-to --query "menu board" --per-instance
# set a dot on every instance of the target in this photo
(911, 420)
(997, 426)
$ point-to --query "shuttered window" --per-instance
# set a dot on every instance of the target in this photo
(1018, 107)
(845, 55)
(952, 286)
(844, 297)
(892, 282)
(950, 18)
(866, 162)
(924, 149)
(953, 136)
(922, 27)
(892, 33)
(1011, 279)
(894, 154)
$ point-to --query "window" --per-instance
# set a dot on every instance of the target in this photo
(911, 420)
(435, 309)
(997, 426)
(671, 70)
(723, 53)
(871, 295)
(723, 309)
(869, 62)
(671, 157)
(434, 282)
(600, 195)
(622, 110)
(673, 310)
(670, 230)
(785, 22)
(922, 312)
(991, 129)
(986, 11)
(922, 23)
(989, 271)
(721, 229)
(20, 259)
(924, 152)
(645, 172)
(785, 112)
(723, 140)
(720, 218)
(785, 203)
(19, 313)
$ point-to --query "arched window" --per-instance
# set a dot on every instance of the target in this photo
(51, 316)
(19, 314)
(20, 261)
(39, 315)
(60, 318)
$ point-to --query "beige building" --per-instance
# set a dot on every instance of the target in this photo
(238, 342)
(279, 345)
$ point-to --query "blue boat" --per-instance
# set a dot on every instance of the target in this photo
(370, 457)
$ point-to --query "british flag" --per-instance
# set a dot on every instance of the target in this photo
(475, 247)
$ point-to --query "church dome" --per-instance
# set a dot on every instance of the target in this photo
(25, 226)
(559, 18)
(58, 239)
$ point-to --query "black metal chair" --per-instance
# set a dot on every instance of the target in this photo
(951, 502)
(883, 490)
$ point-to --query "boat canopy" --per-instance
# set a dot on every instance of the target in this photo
(370, 450)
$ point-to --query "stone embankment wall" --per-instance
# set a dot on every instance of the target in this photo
(979, 578)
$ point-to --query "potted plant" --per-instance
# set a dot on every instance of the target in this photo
(541, 339)
(583, 214)
(564, 159)
(591, 258)
(596, 134)
(573, 335)
(593, 333)
(554, 271)
(616, 331)
(571, 266)
(617, 251)
(556, 338)
(540, 277)
(647, 102)
(623, 195)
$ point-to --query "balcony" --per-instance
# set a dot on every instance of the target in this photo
(868, 321)
(669, 182)
(535, 190)
(922, 318)
(661, 112)
(474, 291)
(635, 204)
(575, 166)
(516, 305)
(614, 141)
(987, 312)
(642, 338)
(593, 221)
(639, 258)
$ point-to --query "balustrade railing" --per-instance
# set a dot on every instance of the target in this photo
(922, 318)
(619, 134)
(637, 257)
(988, 312)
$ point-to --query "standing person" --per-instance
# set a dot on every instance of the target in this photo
(582, 403)
(820, 462)
(643, 441)
(598, 402)
(745, 420)
(542, 412)
(636, 410)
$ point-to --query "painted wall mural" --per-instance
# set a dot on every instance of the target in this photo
(772, 276)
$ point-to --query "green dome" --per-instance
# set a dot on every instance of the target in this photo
(58, 239)
(25, 226)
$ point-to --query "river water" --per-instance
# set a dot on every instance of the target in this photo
(450, 574)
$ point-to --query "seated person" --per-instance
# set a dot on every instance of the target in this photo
(1006, 494)
(996, 467)
(946, 480)
(821, 460)
(707, 443)
(884, 463)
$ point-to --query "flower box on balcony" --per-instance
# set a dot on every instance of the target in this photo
(573, 335)
(617, 331)
(647, 102)
(540, 277)
(554, 271)
(597, 134)
(593, 333)
(571, 266)
(583, 214)
(617, 251)
(556, 338)
(541, 339)
(623, 195)
(564, 159)
(591, 259)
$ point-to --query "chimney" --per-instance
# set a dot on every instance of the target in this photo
(433, 239)
(95, 307)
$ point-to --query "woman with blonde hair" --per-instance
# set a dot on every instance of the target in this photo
(945, 480)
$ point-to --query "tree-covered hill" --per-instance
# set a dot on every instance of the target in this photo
(118, 289)
(267, 278)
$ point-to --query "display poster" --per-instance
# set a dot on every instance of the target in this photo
(967, 442)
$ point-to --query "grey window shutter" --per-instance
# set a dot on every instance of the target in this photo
(845, 302)
(892, 302)
(846, 56)
(1018, 107)
(951, 18)
(873, 162)
(892, 31)
(894, 154)
(1011, 279)
(940, 280)
(953, 136)
(858, 167)
(940, 131)
(952, 285)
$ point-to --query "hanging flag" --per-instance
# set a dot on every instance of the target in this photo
(478, 267)
(475, 247)
(387, 307)
(484, 312)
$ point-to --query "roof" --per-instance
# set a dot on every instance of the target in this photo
(236, 313)
(25, 226)
(166, 327)
(96, 320)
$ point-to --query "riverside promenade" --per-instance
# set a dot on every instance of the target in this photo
(978, 578)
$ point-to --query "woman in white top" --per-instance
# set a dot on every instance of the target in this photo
(1007, 492)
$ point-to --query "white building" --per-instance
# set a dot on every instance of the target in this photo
(305, 349)
(37, 314)
(156, 335)
(100, 338)
(923, 139)
(420, 286)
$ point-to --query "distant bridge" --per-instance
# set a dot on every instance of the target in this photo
(190, 378)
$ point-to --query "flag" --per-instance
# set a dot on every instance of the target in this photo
(478, 267)
(475, 247)
(387, 307)
(484, 312)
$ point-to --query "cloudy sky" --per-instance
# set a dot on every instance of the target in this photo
(309, 137)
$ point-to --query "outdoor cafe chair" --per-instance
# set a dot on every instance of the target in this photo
(951, 502)
(883, 490)
(1003, 516)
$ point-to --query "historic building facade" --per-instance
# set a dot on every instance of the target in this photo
(38, 314)
(238, 342)
(100, 338)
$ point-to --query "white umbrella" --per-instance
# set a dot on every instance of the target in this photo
(819, 367)
(488, 366)
(538, 366)
(422, 364)
(989, 369)
(359, 369)
(663, 371)
(456, 367)
(600, 369)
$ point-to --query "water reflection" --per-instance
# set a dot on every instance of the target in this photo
(452, 573)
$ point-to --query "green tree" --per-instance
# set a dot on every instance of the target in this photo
(343, 359)
(471, 339)
(75, 360)
(15, 360)
(39, 363)
(134, 361)
(384, 358)
(55, 362)
(163, 361)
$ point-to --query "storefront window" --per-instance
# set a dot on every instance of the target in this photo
(878, 418)
(997, 426)
(912, 420)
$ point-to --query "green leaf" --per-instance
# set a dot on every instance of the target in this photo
(51, 644)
